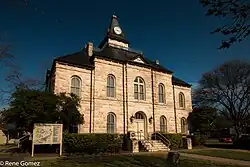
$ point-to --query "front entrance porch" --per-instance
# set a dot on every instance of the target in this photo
(139, 125)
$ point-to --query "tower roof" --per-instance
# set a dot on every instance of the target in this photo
(111, 32)
(114, 23)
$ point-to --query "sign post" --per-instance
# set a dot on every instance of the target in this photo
(47, 134)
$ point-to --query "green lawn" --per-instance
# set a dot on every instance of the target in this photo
(223, 153)
(147, 160)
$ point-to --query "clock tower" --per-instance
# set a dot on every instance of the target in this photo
(115, 36)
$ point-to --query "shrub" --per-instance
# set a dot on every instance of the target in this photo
(176, 140)
(198, 140)
(91, 143)
(26, 146)
(127, 143)
(243, 142)
(184, 143)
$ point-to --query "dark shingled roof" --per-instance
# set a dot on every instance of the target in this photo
(81, 59)
(129, 56)
(177, 81)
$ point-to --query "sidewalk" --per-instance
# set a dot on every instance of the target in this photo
(217, 159)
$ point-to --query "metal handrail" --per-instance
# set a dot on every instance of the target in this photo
(18, 141)
(165, 140)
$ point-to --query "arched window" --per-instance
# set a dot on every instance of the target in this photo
(139, 115)
(163, 124)
(139, 89)
(76, 85)
(181, 100)
(161, 91)
(111, 122)
(111, 86)
(183, 125)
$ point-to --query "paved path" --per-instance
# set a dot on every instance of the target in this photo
(238, 150)
(217, 159)
(205, 148)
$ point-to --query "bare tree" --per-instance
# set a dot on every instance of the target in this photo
(236, 14)
(228, 89)
(15, 79)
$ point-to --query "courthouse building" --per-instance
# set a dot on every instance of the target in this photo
(121, 90)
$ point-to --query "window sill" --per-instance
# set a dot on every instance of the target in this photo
(110, 97)
(139, 100)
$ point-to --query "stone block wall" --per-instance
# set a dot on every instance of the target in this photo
(182, 112)
(102, 105)
(62, 75)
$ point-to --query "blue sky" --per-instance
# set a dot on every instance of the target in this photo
(174, 32)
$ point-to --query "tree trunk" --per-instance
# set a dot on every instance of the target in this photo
(8, 138)
(237, 131)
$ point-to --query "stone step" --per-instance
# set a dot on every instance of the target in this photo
(154, 150)
(149, 145)
(155, 145)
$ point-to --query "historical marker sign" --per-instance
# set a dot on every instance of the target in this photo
(47, 134)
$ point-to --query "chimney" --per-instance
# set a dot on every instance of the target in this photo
(157, 62)
(89, 48)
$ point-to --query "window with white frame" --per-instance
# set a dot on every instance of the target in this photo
(161, 93)
(139, 89)
(76, 85)
(111, 123)
(181, 100)
(183, 125)
(163, 124)
(111, 86)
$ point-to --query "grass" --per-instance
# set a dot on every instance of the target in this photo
(222, 153)
(216, 141)
(7, 149)
(138, 160)
(147, 160)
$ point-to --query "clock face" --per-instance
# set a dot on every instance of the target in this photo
(117, 30)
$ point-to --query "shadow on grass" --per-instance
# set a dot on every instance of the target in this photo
(222, 145)
(228, 146)
(10, 150)
(113, 161)
(150, 160)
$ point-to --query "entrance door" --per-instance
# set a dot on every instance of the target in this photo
(140, 129)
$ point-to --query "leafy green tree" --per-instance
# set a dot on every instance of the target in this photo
(235, 14)
(202, 120)
(69, 114)
(34, 106)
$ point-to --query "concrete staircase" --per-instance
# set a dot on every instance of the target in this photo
(154, 145)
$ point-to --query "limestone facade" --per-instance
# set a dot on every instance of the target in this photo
(124, 77)
(96, 105)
